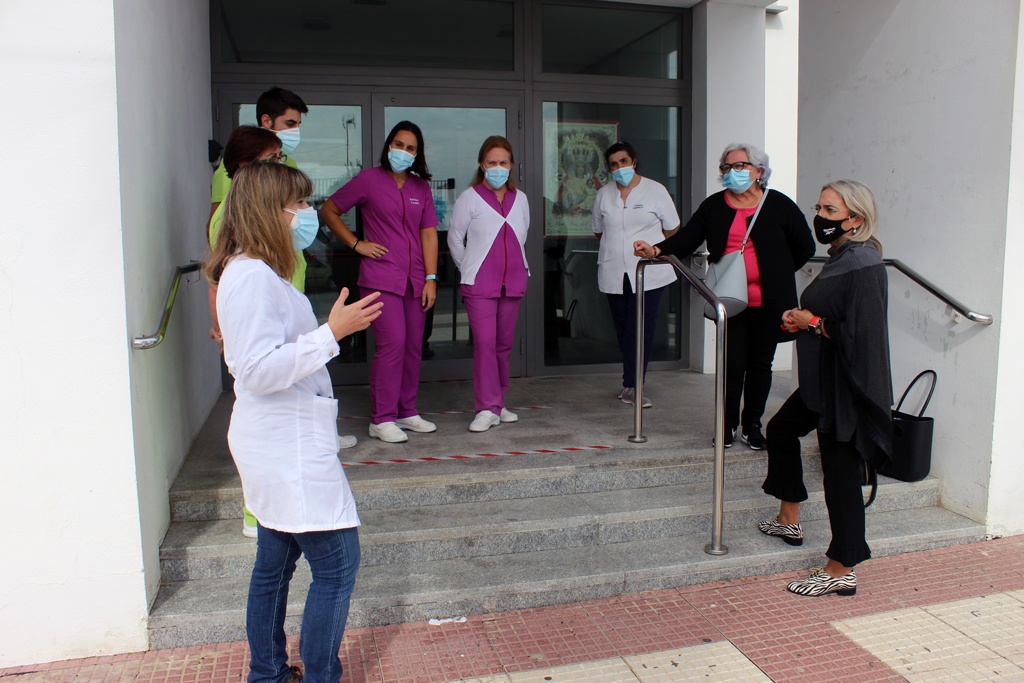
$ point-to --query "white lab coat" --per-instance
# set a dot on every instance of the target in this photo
(284, 430)
(472, 210)
(647, 212)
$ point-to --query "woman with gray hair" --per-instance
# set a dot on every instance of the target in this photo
(779, 244)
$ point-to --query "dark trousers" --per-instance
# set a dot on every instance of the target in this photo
(624, 319)
(751, 338)
(841, 465)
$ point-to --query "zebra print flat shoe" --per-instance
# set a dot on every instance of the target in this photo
(820, 583)
(792, 534)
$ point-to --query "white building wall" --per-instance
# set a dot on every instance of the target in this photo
(915, 98)
(163, 106)
(781, 69)
(1005, 511)
(71, 583)
(106, 187)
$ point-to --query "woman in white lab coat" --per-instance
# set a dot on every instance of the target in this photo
(283, 435)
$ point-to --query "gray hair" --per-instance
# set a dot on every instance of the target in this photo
(756, 156)
(861, 202)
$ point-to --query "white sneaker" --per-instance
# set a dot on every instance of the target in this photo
(347, 441)
(388, 432)
(249, 531)
(508, 416)
(483, 421)
(415, 423)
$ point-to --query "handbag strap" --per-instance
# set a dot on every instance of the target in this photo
(935, 378)
(753, 219)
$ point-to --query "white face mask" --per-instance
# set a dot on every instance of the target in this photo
(305, 225)
(289, 139)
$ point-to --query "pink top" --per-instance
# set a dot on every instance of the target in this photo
(394, 218)
(503, 266)
(736, 232)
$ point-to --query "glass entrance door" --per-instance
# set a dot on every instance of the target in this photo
(453, 131)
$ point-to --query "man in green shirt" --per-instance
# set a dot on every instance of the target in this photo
(281, 111)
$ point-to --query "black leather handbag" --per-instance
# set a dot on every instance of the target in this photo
(912, 439)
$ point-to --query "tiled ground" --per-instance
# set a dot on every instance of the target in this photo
(950, 614)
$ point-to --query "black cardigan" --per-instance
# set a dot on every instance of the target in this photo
(846, 377)
(781, 238)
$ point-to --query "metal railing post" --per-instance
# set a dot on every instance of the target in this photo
(716, 547)
(638, 392)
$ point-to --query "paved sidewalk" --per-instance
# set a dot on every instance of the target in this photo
(950, 614)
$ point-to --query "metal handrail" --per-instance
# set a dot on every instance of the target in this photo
(151, 341)
(980, 318)
(715, 547)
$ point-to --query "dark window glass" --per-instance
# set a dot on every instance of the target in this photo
(440, 34)
(611, 42)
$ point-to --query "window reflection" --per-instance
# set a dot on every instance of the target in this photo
(578, 327)
(441, 34)
(611, 42)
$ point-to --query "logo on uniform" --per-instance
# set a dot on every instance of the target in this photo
(638, 206)
(414, 201)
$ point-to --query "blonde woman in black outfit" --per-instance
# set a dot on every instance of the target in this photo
(845, 393)
(780, 243)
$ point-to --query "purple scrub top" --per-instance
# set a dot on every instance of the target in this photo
(394, 218)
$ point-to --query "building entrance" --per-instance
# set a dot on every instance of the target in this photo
(560, 94)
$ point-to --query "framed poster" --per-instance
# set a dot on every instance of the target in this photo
(574, 171)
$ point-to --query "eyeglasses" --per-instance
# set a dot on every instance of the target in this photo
(737, 166)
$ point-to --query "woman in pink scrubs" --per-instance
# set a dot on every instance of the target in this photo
(488, 231)
(399, 259)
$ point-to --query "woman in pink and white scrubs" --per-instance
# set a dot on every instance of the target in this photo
(488, 231)
(399, 259)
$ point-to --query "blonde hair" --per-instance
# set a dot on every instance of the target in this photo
(861, 202)
(254, 223)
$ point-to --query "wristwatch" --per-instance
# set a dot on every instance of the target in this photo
(815, 324)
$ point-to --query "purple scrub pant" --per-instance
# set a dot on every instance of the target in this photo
(493, 322)
(395, 371)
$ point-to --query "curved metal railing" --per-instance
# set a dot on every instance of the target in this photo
(715, 547)
(924, 283)
(152, 340)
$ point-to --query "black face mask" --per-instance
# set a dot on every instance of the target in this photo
(828, 231)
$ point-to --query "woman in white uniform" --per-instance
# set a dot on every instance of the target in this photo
(284, 434)
(633, 208)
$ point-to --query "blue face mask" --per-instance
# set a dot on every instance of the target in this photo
(624, 176)
(305, 225)
(496, 176)
(399, 159)
(737, 181)
(289, 139)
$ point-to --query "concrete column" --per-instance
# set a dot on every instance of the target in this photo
(728, 106)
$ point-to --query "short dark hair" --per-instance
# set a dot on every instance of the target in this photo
(419, 164)
(245, 145)
(621, 146)
(277, 101)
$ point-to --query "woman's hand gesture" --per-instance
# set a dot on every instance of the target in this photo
(644, 250)
(344, 320)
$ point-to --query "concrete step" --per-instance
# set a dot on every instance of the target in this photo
(505, 477)
(213, 610)
(216, 548)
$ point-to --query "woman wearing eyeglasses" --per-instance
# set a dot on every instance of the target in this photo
(845, 392)
(779, 244)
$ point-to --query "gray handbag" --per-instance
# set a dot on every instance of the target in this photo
(728, 277)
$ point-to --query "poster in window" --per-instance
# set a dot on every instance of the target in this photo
(575, 171)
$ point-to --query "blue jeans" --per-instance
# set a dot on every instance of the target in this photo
(333, 557)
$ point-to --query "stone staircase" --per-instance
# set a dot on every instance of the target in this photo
(519, 528)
